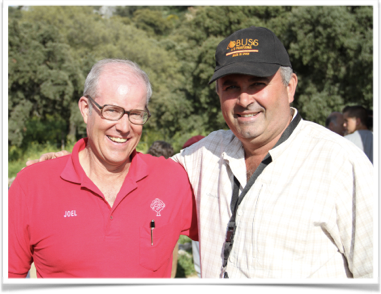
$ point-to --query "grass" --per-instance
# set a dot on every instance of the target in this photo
(17, 157)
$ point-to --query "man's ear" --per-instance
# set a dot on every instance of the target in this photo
(291, 87)
(83, 105)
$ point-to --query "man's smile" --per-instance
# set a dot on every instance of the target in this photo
(117, 140)
(247, 114)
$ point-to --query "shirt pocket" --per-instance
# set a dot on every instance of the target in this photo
(154, 256)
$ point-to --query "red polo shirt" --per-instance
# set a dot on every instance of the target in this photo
(60, 220)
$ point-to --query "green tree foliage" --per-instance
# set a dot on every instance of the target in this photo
(332, 56)
(152, 22)
(42, 77)
(52, 48)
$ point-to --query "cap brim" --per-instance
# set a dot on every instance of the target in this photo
(246, 68)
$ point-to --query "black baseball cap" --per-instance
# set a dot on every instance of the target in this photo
(252, 51)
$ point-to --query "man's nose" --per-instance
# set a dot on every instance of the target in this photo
(123, 124)
(245, 99)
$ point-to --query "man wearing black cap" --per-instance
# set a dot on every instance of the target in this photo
(277, 196)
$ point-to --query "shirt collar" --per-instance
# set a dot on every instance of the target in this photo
(278, 148)
(234, 155)
(73, 171)
(291, 127)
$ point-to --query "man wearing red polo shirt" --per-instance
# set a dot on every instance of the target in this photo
(105, 210)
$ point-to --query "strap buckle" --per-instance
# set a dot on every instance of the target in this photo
(230, 232)
(224, 273)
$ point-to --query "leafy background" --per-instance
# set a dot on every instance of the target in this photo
(52, 48)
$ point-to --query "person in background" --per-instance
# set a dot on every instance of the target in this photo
(105, 211)
(335, 123)
(157, 149)
(356, 124)
(195, 244)
(161, 148)
(369, 123)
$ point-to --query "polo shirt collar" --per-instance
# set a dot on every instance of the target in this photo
(73, 171)
(138, 171)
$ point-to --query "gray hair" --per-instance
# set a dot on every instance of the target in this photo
(285, 72)
(332, 118)
(92, 79)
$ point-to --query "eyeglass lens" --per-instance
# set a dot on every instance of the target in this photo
(115, 113)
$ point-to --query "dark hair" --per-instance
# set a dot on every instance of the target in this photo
(360, 112)
(161, 148)
(370, 119)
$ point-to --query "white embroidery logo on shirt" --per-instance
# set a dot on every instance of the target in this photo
(157, 205)
(70, 213)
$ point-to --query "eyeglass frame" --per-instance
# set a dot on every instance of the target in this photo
(125, 111)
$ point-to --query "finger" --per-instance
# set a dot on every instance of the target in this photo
(47, 156)
(30, 162)
(61, 153)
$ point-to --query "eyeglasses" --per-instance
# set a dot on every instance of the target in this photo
(114, 113)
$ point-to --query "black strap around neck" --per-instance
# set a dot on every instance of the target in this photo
(236, 200)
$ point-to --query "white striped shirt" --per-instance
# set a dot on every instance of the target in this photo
(308, 215)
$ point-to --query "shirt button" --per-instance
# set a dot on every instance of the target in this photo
(111, 217)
